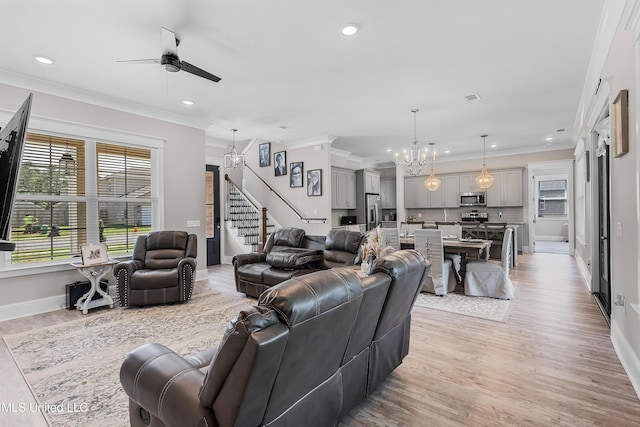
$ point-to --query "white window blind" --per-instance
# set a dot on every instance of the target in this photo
(62, 205)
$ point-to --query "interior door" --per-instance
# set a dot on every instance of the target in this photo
(212, 203)
(603, 284)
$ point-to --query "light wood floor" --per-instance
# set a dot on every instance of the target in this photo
(551, 364)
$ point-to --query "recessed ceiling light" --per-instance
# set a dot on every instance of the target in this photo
(447, 151)
(349, 29)
(46, 60)
(493, 145)
(389, 150)
(549, 138)
(283, 128)
(187, 102)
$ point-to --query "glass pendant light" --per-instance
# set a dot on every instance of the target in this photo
(485, 179)
(432, 183)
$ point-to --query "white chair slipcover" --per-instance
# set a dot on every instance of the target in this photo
(453, 230)
(391, 238)
(440, 279)
(491, 279)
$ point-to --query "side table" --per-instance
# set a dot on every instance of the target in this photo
(94, 273)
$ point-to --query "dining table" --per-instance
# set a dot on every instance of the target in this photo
(466, 247)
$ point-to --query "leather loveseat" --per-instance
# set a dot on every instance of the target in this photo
(310, 351)
(289, 252)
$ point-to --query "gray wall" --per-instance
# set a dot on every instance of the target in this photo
(184, 162)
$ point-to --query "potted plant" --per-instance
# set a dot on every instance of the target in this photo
(373, 248)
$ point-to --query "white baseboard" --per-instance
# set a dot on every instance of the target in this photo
(627, 357)
(29, 308)
(584, 270)
(550, 238)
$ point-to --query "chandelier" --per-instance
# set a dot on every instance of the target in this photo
(415, 159)
(432, 183)
(485, 179)
(232, 159)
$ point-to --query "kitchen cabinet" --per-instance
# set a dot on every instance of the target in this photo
(451, 191)
(371, 181)
(507, 188)
(468, 183)
(343, 189)
(388, 193)
(416, 195)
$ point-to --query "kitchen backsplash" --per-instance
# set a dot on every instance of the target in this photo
(513, 215)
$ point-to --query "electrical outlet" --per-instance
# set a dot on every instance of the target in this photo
(419, 214)
(619, 229)
(193, 223)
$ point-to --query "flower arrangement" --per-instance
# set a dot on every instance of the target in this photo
(374, 245)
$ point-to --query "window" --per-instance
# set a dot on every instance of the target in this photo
(61, 205)
(552, 198)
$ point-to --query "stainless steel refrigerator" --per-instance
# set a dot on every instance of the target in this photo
(374, 210)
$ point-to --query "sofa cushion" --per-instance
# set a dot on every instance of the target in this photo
(288, 236)
(253, 272)
(273, 276)
(341, 248)
(154, 279)
(287, 257)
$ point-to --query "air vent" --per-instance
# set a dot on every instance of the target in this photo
(472, 97)
(560, 130)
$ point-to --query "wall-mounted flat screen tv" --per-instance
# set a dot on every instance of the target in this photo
(12, 138)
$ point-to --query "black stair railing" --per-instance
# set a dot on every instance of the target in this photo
(246, 216)
(285, 201)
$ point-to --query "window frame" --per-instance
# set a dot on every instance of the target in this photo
(91, 135)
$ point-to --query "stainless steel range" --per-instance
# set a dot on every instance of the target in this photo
(474, 216)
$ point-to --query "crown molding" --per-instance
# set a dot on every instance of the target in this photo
(325, 139)
(75, 94)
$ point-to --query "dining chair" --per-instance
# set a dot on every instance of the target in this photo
(471, 230)
(440, 279)
(391, 238)
(452, 229)
(491, 278)
(495, 231)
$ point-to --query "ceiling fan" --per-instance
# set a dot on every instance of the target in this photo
(170, 60)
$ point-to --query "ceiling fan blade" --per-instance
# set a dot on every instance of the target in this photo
(185, 66)
(169, 44)
(140, 61)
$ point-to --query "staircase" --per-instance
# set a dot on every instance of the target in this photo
(245, 218)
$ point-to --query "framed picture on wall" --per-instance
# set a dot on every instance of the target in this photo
(314, 182)
(620, 124)
(280, 161)
(265, 154)
(296, 179)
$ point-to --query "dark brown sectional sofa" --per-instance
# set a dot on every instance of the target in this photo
(313, 348)
(289, 252)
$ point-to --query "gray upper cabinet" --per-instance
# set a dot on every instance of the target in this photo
(468, 182)
(388, 193)
(507, 188)
(451, 190)
(371, 182)
(343, 189)
(415, 193)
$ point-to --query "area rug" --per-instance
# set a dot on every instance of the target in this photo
(494, 309)
(73, 368)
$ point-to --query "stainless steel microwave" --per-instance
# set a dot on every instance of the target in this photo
(473, 199)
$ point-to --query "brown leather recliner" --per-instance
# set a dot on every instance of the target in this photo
(162, 269)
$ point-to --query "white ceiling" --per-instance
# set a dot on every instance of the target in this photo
(284, 63)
